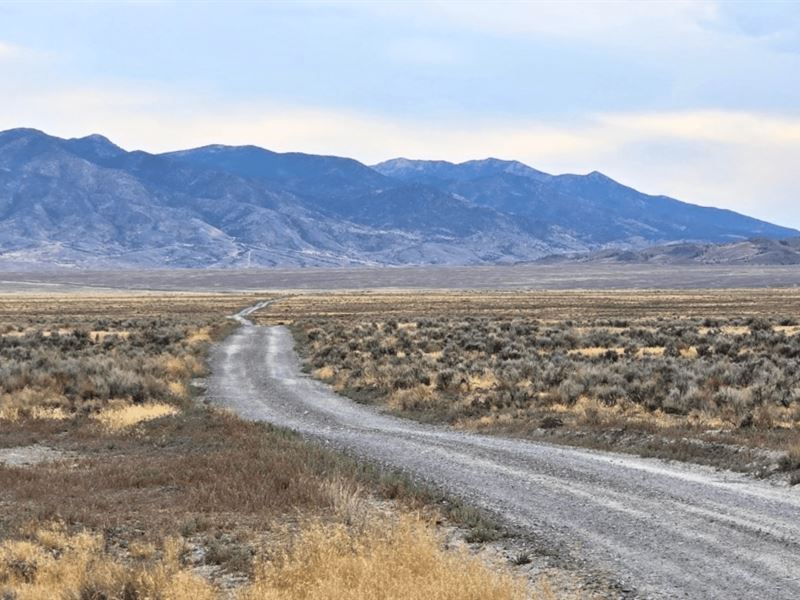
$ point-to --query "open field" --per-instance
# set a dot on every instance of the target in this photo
(702, 376)
(548, 305)
(520, 277)
(117, 482)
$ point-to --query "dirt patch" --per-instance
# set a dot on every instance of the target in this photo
(35, 454)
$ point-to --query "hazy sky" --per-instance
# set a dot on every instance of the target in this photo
(698, 100)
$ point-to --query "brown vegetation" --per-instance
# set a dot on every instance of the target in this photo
(55, 565)
(78, 354)
(716, 365)
(556, 306)
(399, 561)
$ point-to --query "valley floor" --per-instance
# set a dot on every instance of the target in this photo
(521, 277)
(120, 474)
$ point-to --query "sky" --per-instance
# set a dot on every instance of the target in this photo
(696, 100)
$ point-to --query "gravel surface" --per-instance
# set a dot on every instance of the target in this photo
(666, 530)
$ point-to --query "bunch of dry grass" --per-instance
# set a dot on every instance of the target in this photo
(380, 561)
(124, 416)
(57, 566)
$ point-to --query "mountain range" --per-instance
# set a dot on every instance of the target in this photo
(86, 202)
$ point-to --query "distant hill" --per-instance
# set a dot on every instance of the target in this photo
(88, 203)
(758, 251)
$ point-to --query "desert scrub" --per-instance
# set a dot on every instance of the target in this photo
(80, 371)
(727, 373)
(152, 486)
(73, 355)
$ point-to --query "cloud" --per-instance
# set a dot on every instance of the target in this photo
(559, 85)
(9, 51)
(21, 64)
(612, 23)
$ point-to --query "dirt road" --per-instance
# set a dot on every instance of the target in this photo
(667, 530)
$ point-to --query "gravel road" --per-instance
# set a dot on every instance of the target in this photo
(666, 530)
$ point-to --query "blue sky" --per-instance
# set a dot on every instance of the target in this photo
(698, 100)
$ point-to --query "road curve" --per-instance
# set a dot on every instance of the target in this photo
(667, 530)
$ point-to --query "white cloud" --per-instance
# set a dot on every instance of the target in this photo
(9, 51)
(710, 126)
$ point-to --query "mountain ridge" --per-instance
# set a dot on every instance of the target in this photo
(86, 202)
(755, 251)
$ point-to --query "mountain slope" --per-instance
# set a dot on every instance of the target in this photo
(595, 208)
(756, 251)
(342, 188)
(86, 202)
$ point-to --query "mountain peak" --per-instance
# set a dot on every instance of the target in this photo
(23, 131)
(17, 133)
(271, 167)
(218, 148)
(402, 164)
(93, 147)
(94, 138)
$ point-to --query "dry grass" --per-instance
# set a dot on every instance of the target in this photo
(171, 472)
(13, 413)
(117, 418)
(382, 561)
(547, 306)
(55, 565)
